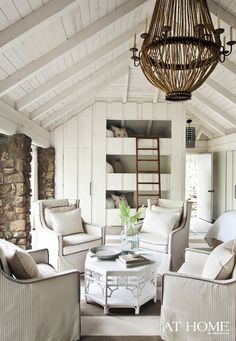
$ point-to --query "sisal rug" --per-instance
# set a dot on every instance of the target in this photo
(121, 324)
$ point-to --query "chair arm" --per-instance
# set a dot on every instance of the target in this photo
(189, 300)
(178, 242)
(40, 256)
(195, 256)
(96, 230)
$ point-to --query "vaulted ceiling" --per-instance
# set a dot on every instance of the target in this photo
(58, 56)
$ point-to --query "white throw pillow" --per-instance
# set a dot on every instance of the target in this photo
(67, 223)
(220, 262)
(110, 203)
(117, 200)
(110, 168)
(49, 210)
(110, 133)
(22, 264)
(119, 132)
(159, 223)
(160, 209)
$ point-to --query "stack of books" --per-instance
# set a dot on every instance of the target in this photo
(131, 260)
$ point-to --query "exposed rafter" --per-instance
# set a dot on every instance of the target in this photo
(227, 17)
(220, 130)
(219, 111)
(19, 123)
(37, 114)
(206, 132)
(229, 66)
(149, 127)
(35, 66)
(70, 72)
(221, 91)
(92, 93)
(42, 15)
(126, 87)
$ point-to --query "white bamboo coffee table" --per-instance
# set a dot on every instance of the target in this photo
(111, 284)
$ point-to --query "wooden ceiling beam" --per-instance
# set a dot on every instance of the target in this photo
(73, 70)
(16, 32)
(227, 17)
(37, 114)
(219, 129)
(91, 94)
(221, 91)
(126, 87)
(221, 113)
(35, 66)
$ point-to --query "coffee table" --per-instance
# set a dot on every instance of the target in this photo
(111, 284)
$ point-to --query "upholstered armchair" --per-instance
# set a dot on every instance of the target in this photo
(66, 251)
(195, 307)
(177, 240)
(46, 307)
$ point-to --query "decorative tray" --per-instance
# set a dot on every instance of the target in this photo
(105, 252)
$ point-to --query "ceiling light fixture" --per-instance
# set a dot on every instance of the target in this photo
(181, 48)
(190, 135)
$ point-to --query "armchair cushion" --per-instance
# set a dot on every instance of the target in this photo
(153, 242)
(67, 223)
(160, 209)
(220, 263)
(159, 223)
(79, 242)
(22, 265)
(49, 210)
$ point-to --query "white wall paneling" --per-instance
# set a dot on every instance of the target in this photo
(230, 180)
(58, 143)
(99, 163)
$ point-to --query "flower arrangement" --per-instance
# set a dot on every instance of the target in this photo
(129, 220)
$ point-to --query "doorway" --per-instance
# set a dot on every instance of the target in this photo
(199, 185)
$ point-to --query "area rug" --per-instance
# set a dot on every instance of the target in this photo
(120, 324)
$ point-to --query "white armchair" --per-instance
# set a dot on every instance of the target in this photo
(46, 307)
(194, 307)
(178, 239)
(65, 252)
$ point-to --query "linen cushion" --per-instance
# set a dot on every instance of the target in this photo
(159, 223)
(178, 210)
(109, 168)
(66, 223)
(170, 203)
(118, 198)
(109, 133)
(22, 265)
(79, 242)
(6, 247)
(119, 132)
(110, 203)
(220, 262)
(49, 210)
(153, 242)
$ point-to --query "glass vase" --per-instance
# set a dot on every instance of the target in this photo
(129, 239)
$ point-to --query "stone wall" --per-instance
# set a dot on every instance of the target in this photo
(15, 192)
(46, 173)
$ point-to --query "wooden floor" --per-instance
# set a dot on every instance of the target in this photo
(121, 338)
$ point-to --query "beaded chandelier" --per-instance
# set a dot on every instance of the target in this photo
(181, 48)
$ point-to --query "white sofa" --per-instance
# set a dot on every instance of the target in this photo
(45, 308)
(178, 239)
(192, 306)
(65, 252)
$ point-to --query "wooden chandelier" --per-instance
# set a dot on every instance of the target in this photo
(181, 47)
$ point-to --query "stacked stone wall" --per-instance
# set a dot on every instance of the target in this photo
(15, 192)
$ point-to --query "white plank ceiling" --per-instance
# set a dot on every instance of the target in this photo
(59, 56)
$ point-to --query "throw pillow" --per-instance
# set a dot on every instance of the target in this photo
(109, 168)
(160, 209)
(110, 133)
(117, 166)
(22, 265)
(220, 262)
(118, 198)
(49, 210)
(110, 203)
(67, 223)
(119, 132)
(159, 223)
